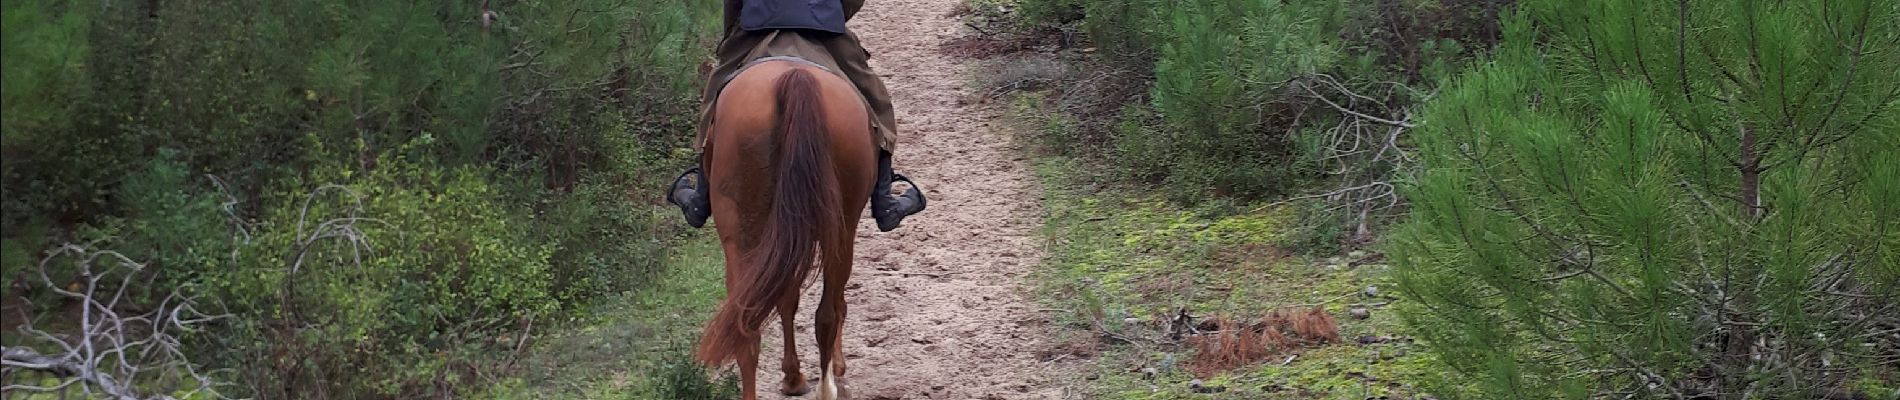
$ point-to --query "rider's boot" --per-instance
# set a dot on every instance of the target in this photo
(888, 209)
(694, 199)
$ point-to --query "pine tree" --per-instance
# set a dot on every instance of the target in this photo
(1664, 199)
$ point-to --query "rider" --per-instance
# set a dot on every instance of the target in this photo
(747, 24)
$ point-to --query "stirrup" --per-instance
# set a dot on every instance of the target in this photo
(892, 214)
(693, 202)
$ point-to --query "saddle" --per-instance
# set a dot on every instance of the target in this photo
(792, 45)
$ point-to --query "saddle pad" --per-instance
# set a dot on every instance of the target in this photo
(790, 45)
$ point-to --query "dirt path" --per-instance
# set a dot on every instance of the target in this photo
(967, 330)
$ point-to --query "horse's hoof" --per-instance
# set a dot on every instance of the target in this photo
(834, 390)
(802, 389)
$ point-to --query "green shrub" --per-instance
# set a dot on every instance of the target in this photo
(376, 189)
(1228, 111)
(1213, 63)
(682, 378)
(1661, 202)
(45, 79)
(604, 243)
(396, 265)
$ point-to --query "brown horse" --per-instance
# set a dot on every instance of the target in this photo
(791, 164)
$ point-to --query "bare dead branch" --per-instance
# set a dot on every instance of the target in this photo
(229, 206)
(111, 353)
(343, 228)
(1351, 112)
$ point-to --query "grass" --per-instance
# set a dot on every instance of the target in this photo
(1122, 261)
(635, 346)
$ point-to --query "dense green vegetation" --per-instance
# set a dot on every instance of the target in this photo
(1203, 116)
(1221, 97)
(1557, 198)
(1122, 264)
(378, 192)
(636, 346)
(1584, 199)
(1237, 102)
(1665, 200)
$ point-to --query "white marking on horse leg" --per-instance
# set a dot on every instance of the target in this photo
(828, 384)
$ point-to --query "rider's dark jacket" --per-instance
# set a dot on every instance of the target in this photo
(821, 15)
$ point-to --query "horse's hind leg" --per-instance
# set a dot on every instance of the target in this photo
(794, 384)
(747, 355)
(830, 321)
(749, 370)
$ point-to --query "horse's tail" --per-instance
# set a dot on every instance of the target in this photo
(805, 202)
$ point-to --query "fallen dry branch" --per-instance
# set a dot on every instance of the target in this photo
(113, 352)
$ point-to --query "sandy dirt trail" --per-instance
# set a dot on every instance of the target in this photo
(937, 308)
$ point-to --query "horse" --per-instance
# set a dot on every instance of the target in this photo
(791, 163)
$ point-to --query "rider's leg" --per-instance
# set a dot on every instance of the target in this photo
(889, 210)
(694, 201)
(689, 191)
(855, 62)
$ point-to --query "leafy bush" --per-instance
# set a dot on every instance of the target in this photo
(1232, 98)
(43, 83)
(1663, 200)
(399, 264)
(378, 190)
(1209, 81)
(682, 378)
